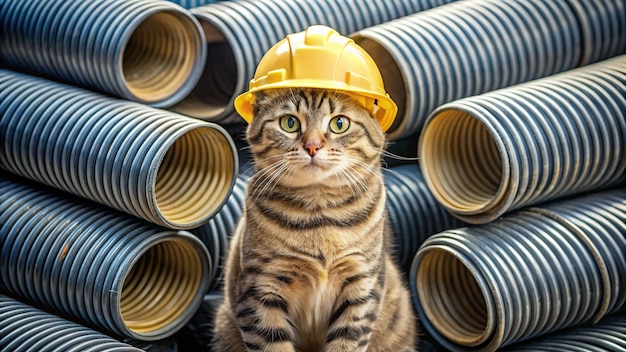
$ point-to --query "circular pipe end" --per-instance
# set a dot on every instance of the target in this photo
(164, 287)
(462, 163)
(163, 58)
(221, 81)
(452, 299)
(195, 177)
(393, 78)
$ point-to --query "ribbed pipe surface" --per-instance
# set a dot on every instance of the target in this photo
(603, 24)
(169, 169)
(148, 51)
(238, 34)
(25, 328)
(485, 155)
(189, 4)
(525, 275)
(608, 335)
(413, 211)
(459, 49)
(98, 266)
(599, 218)
(217, 232)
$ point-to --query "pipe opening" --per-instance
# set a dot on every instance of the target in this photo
(160, 56)
(461, 162)
(215, 92)
(161, 286)
(391, 73)
(195, 177)
(452, 299)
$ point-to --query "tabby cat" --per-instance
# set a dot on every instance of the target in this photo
(310, 268)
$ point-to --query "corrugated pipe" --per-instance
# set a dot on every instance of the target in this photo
(458, 50)
(147, 51)
(413, 211)
(603, 24)
(189, 4)
(96, 265)
(608, 335)
(217, 232)
(599, 218)
(527, 274)
(485, 155)
(169, 344)
(25, 328)
(238, 34)
(169, 169)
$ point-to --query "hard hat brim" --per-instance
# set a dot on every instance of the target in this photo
(387, 108)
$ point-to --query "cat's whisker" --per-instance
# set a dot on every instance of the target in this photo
(276, 176)
(253, 163)
(250, 166)
(346, 182)
(357, 185)
(369, 171)
(261, 175)
(391, 155)
(281, 173)
(390, 170)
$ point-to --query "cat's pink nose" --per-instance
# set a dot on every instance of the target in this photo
(312, 148)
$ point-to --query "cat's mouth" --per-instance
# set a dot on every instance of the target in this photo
(316, 163)
(314, 167)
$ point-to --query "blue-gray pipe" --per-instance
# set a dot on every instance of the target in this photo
(530, 273)
(189, 4)
(238, 34)
(607, 335)
(603, 24)
(24, 328)
(599, 218)
(472, 47)
(166, 168)
(413, 211)
(98, 266)
(488, 154)
(148, 51)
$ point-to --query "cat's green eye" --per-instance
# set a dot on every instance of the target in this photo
(339, 124)
(289, 123)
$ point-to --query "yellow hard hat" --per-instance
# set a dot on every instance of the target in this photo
(320, 57)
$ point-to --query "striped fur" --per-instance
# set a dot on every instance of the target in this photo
(309, 267)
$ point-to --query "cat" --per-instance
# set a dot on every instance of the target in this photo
(310, 266)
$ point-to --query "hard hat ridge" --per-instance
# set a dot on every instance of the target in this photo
(320, 57)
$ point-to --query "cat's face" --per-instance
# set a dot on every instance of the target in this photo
(305, 137)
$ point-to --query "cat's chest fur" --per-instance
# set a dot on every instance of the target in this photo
(319, 297)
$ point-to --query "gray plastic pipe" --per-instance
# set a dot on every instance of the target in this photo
(413, 211)
(166, 168)
(152, 52)
(603, 24)
(100, 267)
(607, 335)
(472, 47)
(488, 154)
(238, 34)
(24, 328)
(189, 4)
(530, 273)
